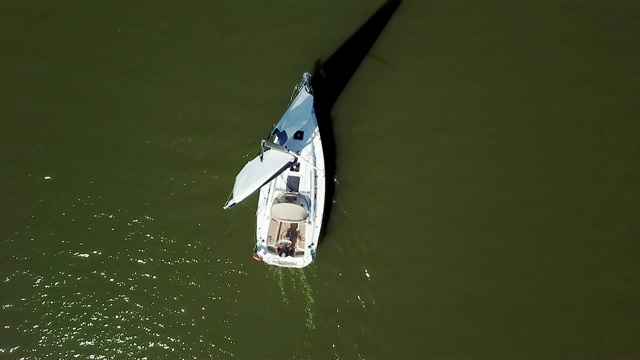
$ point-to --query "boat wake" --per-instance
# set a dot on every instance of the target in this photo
(297, 292)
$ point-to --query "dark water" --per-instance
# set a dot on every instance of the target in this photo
(487, 196)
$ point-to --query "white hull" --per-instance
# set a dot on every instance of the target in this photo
(312, 185)
(291, 177)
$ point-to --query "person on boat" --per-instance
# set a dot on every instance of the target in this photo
(285, 251)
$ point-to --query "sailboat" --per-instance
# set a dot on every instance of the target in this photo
(289, 173)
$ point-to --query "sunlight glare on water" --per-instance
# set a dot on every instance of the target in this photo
(486, 202)
(100, 301)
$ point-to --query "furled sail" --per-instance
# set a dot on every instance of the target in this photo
(258, 172)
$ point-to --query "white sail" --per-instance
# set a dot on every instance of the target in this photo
(258, 172)
(297, 116)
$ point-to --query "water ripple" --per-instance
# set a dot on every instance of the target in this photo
(118, 286)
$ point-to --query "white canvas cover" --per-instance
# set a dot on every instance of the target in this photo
(289, 212)
(258, 172)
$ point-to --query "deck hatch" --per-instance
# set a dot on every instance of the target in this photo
(293, 183)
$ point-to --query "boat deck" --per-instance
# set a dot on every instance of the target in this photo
(282, 230)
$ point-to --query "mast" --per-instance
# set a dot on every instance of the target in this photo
(271, 145)
(264, 144)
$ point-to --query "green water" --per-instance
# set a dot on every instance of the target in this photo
(487, 187)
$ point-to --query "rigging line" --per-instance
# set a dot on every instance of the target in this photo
(254, 210)
(293, 93)
(284, 149)
(305, 150)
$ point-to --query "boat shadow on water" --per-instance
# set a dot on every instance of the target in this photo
(329, 80)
